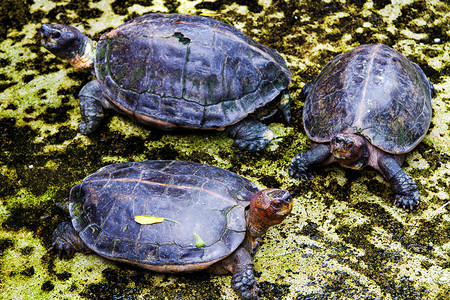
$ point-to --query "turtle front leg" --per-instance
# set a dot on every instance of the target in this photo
(406, 191)
(92, 102)
(301, 165)
(66, 241)
(250, 135)
(243, 281)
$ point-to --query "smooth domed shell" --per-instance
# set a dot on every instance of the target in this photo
(372, 90)
(187, 71)
(192, 197)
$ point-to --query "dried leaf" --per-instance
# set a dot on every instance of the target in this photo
(199, 243)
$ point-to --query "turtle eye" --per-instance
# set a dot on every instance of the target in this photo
(350, 144)
(55, 35)
(277, 204)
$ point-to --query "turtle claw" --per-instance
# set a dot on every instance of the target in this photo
(84, 128)
(245, 285)
(410, 198)
(407, 195)
(60, 244)
(250, 135)
(407, 201)
(66, 241)
(62, 248)
(299, 168)
(303, 175)
(251, 145)
(302, 164)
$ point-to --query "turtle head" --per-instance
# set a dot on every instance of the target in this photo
(350, 150)
(68, 43)
(267, 208)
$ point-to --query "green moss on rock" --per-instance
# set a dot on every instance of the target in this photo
(344, 237)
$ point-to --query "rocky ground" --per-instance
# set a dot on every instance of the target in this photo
(344, 240)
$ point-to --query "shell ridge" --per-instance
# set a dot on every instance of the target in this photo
(362, 107)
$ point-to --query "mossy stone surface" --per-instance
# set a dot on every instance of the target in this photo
(344, 239)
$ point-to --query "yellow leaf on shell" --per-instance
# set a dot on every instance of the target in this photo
(148, 220)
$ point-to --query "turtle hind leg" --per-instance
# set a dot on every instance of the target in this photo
(302, 164)
(406, 191)
(66, 241)
(250, 135)
(92, 103)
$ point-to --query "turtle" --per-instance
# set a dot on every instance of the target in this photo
(367, 107)
(178, 71)
(201, 217)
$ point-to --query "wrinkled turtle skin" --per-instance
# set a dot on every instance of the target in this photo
(178, 71)
(192, 198)
(368, 106)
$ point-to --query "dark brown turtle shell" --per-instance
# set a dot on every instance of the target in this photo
(189, 71)
(197, 198)
(372, 90)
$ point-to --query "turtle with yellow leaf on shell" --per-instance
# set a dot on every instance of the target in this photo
(172, 217)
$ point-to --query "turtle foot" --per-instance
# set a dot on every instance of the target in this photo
(88, 127)
(66, 241)
(60, 244)
(250, 135)
(251, 145)
(245, 285)
(407, 201)
(299, 168)
(63, 248)
(407, 195)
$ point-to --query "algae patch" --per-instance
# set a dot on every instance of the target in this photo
(344, 235)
